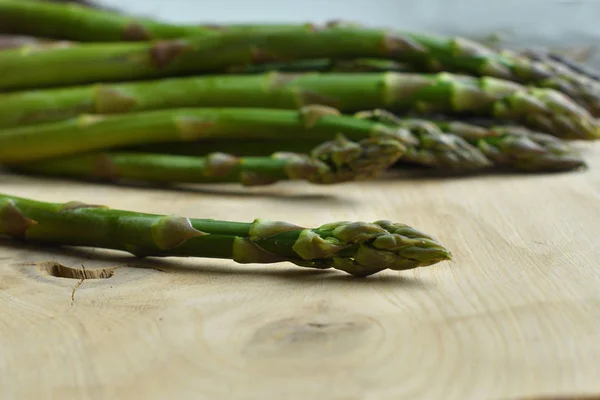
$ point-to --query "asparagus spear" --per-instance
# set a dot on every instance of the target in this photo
(8, 41)
(518, 147)
(335, 161)
(88, 22)
(582, 88)
(541, 109)
(505, 145)
(80, 22)
(89, 133)
(107, 62)
(358, 248)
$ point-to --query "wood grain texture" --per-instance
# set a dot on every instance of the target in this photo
(515, 315)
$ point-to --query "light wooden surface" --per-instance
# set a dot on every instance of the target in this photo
(515, 315)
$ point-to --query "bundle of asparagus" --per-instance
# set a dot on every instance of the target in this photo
(95, 94)
(349, 92)
(186, 49)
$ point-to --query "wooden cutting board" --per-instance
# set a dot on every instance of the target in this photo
(515, 314)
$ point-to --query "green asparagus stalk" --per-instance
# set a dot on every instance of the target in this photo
(505, 145)
(79, 22)
(519, 147)
(583, 89)
(358, 248)
(540, 109)
(89, 133)
(8, 41)
(335, 161)
(109, 62)
(88, 22)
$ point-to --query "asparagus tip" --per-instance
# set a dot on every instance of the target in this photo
(342, 160)
(362, 248)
